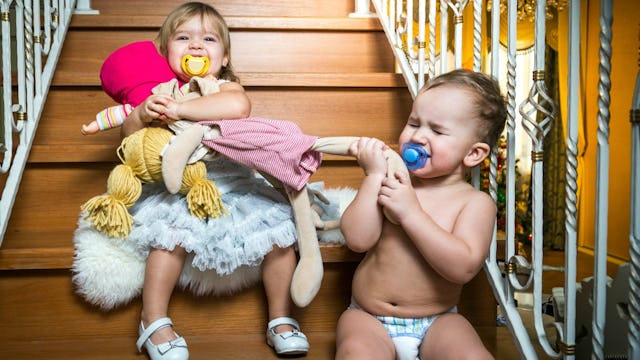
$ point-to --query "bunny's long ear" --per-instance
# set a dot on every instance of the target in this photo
(307, 277)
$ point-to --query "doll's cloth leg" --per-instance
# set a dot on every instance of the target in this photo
(336, 145)
(307, 277)
(176, 155)
(339, 145)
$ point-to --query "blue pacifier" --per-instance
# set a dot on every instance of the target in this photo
(414, 156)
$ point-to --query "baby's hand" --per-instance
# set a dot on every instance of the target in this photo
(370, 156)
(397, 196)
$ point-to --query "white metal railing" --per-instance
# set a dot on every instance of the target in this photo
(32, 37)
(416, 59)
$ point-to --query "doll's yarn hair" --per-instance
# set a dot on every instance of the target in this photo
(142, 163)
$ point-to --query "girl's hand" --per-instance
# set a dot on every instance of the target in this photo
(154, 107)
(397, 196)
(171, 111)
(370, 156)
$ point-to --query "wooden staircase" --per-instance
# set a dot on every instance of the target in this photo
(304, 61)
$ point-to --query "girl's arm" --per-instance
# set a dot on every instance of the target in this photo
(230, 103)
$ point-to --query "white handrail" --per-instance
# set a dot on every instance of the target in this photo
(34, 42)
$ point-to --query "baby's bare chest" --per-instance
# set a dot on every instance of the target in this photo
(443, 208)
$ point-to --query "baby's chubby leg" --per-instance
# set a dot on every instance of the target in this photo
(361, 336)
(464, 344)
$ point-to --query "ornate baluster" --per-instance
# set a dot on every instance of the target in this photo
(538, 113)
(602, 182)
(567, 333)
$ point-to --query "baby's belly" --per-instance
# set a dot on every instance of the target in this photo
(404, 289)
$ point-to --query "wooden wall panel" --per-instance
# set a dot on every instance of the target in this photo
(310, 51)
(371, 112)
(277, 51)
(301, 8)
(67, 315)
(50, 195)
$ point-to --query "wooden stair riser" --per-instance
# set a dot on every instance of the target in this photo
(48, 306)
(271, 8)
(329, 111)
(275, 51)
(43, 304)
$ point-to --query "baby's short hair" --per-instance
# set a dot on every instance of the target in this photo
(490, 104)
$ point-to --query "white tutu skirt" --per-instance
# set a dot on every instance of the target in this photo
(258, 218)
(224, 254)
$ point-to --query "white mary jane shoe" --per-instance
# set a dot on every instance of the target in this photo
(171, 350)
(292, 342)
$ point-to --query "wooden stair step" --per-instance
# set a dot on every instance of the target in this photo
(271, 79)
(252, 51)
(61, 257)
(218, 346)
(243, 312)
(232, 8)
(28, 329)
(332, 111)
(117, 22)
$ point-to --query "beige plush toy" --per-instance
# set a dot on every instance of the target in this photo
(180, 153)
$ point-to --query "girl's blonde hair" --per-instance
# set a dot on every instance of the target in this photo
(208, 15)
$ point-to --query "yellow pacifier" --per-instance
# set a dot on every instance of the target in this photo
(195, 66)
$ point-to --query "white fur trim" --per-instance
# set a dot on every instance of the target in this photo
(109, 272)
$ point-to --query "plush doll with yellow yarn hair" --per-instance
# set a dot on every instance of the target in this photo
(142, 163)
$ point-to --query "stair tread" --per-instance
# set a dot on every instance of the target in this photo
(144, 21)
(220, 346)
(47, 253)
(262, 79)
(93, 153)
